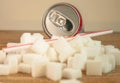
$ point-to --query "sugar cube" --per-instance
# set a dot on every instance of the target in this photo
(29, 57)
(94, 67)
(40, 46)
(39, 67)
(77, 62)
(72, 73)
(36, 36)
(63, 48)
(77, 43)
(92, 51)
(107, 62)
(54, 71)
(13, 64)
(25, 38)
(2, 56)
(24, 68)
(4, 69)
(52, 54)
(18, 57)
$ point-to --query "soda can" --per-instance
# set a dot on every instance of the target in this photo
(62, 19)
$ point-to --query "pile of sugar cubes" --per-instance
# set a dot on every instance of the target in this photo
(60, 59)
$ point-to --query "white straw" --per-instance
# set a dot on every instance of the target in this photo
(25, 46)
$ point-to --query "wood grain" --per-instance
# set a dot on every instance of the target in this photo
(13, 36)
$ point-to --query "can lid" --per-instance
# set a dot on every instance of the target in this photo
(62, 19)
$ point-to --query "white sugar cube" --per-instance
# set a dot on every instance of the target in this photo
(97, 43)
(29, 57)
(72, 73)
(116, 54)
(92, 51)
(77, 43)
(40, 46)
(24, 68)
(70, 81)
(108, 48)
(26, 38)
(77, 62)
(107, 68)
(107, 62)
(36, 36)
(18, 57)
(39, 67)
(52, 55)
(63, 48)
(102, 50)
(112, 61)
(2, 56)
(94, 67)
(4, 69)
(12, 61)
(117, 58)
(54, 71)
(90, 43)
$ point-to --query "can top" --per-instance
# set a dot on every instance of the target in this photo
(62, 19)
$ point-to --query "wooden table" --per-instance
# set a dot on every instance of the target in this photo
(13, 36)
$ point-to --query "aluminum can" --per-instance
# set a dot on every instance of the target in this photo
(62, 19)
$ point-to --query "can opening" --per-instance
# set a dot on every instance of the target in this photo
(68, 25)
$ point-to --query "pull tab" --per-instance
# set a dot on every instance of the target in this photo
(57, 19)
(60, 21)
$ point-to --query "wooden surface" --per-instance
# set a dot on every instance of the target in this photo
(112, 77)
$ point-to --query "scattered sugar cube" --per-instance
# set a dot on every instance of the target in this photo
(40, 46)
(112, 61)
(63, 48)
(108, 48)
(52, 55)
(116, 54)
(92, 51)
(102, 50)
(70, 81)
(77, 43)
(107, 68)
(2, 56)
(107, 63)
(117, 58)
(54, 71)
(72, 73)
(97, 43)
(18, 56)
(26, 38)
(77, 62)
(36, 36)
(12, 61)
(24, 68)
(39, 67)
(29, 57)
(94, 67)
(4, 69)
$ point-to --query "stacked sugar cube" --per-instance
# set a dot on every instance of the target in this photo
(58, 59)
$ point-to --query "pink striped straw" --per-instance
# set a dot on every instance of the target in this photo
(25, 46)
